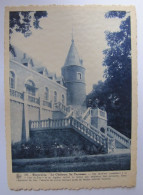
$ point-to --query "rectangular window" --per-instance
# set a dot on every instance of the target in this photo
(79, 75)
(12, 83)
(46, 93)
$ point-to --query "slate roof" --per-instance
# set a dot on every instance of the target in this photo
(73, 57)
(22, 57)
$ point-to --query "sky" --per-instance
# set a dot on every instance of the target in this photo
(50, 44)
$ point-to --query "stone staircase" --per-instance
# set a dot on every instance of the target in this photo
(73, 123)
(62, 108)
(117, 139)
(108, 142)
(120, 139)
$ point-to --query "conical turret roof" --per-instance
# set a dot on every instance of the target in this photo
(72, 57)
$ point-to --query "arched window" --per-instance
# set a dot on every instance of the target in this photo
(63, 99)
(30, 87)
(102, 130)
(55, 96)
(46, 93)
(12, 80)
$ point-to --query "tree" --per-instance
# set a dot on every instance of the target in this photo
(23, 22)
(118, 58)
(97, 97)
(115, 92)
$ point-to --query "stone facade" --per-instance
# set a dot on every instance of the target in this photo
(32, 97)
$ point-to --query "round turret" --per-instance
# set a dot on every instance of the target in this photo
(73, 74)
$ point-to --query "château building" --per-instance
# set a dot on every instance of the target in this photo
(39, 100)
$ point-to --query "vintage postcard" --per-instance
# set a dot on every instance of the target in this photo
(70, 96)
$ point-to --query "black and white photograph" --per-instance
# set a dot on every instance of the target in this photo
(70, 89)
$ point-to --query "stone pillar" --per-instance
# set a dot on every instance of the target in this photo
(99, 119)
(40, 108)
(23, 135)
(25, 121)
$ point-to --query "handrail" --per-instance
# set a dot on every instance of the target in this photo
(87, 113)
(118, 136)
(16, 94)
(70, 122)
(89, 129)
(58, 106)
(69, 114)
(98, 131)
(49, 124)
(47, 104)
(33, 99)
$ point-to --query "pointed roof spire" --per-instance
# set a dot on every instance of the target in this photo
(72, 57)
(72, 35)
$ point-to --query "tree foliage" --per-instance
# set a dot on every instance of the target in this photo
(114, 94)
(23, 22)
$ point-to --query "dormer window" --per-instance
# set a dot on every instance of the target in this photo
(24, 60)
(41, 72)
(25, 64)
(79, 76)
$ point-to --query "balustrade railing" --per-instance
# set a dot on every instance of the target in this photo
(47, 104)
(75, 123)
(49, 124)
(70, 123)
(86, 130)
(98, 131)
(93, 128)
(16, 94)
(70, 114)
(118, 136)
(61, 107)
(33, 99)
(20, 95)
(86, 114)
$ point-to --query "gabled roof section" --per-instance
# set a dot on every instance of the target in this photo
(72, 57)
(26, 59)
(22, 57)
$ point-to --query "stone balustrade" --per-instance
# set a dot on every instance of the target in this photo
(34, 99)
(118, 136)
(86, 114)
(89, 132)
(22, 96)
(49, 124)
(71, 122)
(61, 107)
(47, 104)
(94, 128)
(16, 94)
